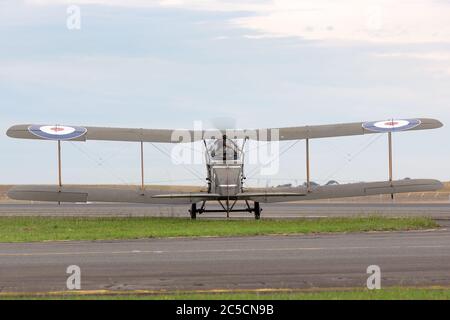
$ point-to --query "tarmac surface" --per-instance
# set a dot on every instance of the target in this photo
(316, 261)
(418, 258)
(280, 210)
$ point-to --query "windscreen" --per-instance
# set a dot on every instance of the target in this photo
(232, 151)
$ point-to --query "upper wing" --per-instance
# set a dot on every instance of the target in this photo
(357, 128)
(74, 133)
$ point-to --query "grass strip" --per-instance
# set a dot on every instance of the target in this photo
(33, 229)
(394, 293)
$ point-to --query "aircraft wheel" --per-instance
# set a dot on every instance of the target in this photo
(193, 211)
(257, 211)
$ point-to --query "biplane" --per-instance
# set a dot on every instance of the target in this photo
(225, 176)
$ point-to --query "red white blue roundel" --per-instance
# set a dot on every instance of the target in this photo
(392, 125)
(57, 132)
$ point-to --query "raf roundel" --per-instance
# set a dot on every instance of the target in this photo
(391, 125)
(57, 132)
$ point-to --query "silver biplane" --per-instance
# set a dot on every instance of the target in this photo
(225, 174)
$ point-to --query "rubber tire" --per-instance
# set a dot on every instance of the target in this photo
(257, 211)
(193, 211)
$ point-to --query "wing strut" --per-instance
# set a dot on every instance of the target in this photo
(59, 168)
(142, 168)
(308, 168)
(59, 164)
(391, 170)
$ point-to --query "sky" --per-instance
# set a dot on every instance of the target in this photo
(169, 63)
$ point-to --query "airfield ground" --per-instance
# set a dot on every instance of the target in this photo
(316, 261)
(393, 293)
(244, 259)
(32, 229)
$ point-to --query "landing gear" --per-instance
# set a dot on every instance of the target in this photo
(257, 211)
(193, 211)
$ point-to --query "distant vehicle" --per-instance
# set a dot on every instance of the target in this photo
(311, 184)
(332, 183)
(225, 177)
(287, 185)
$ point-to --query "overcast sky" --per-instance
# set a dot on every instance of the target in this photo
(166, 64)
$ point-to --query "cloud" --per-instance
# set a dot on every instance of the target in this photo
(430, 56)
(213, 5)
(122, 71)
(434, 62)
(354, 20)
(378, 21)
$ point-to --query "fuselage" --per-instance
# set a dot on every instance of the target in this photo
(225, 168)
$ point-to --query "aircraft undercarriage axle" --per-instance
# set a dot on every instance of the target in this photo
(256, 209)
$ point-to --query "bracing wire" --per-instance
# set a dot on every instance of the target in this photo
(353, 157)
(192, 171)
(253, 172)
(100, 163)
(349, 157)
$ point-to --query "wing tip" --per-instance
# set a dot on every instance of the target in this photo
(12, 130)
(9, 133)
(439, 124)
(432, 123)
(16, 192)
(439, 184)
(432, 184)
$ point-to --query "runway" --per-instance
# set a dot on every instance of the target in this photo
(320, 261)
(317, 261)
(280, 210)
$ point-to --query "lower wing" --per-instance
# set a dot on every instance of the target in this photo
(347, 190)
(82, 193)
(127, 195)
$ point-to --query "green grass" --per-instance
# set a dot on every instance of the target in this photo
(353, 294)
(31, 229)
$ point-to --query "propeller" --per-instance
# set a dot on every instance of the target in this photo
(223, 123)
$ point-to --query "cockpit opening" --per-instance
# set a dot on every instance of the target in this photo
(224, 150)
